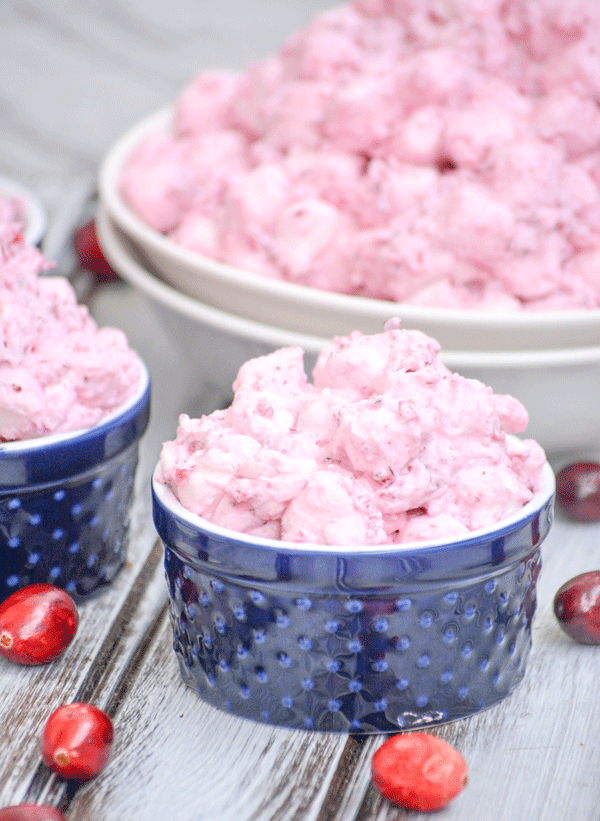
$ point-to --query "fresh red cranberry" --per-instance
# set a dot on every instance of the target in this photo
(31, 812)
(578, 491)
(77, 741)
(37, 623)
(577, 607)
(87, 248)
(418, 771)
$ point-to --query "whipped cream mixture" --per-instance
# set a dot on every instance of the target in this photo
(385, 446)
(435, 152)
(58, 371)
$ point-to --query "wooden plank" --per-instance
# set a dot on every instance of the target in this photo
(175, 751)
(351, 779)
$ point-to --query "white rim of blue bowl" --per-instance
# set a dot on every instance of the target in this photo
(168, 499)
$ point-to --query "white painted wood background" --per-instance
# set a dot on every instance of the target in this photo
(73, 77)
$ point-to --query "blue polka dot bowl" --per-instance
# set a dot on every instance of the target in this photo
(366, 640)
(65, 502)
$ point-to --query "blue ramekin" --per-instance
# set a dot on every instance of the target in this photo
(366, 640)
(65, 502)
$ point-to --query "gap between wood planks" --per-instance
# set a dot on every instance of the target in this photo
(349, 761)
(63, 792)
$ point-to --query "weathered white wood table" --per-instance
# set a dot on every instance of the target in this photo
(73, 77)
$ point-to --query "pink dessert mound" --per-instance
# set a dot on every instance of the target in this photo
(58, 371)
(443, 154)
(385, 446)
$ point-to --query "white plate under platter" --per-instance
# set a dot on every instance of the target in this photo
(304, 310)
(34, 213)
(559, 388)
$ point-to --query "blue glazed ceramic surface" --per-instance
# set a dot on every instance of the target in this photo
(65, 502)
(360, 640)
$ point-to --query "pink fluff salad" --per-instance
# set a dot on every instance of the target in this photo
(386, 446)
(435, 152)
(58, 371)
